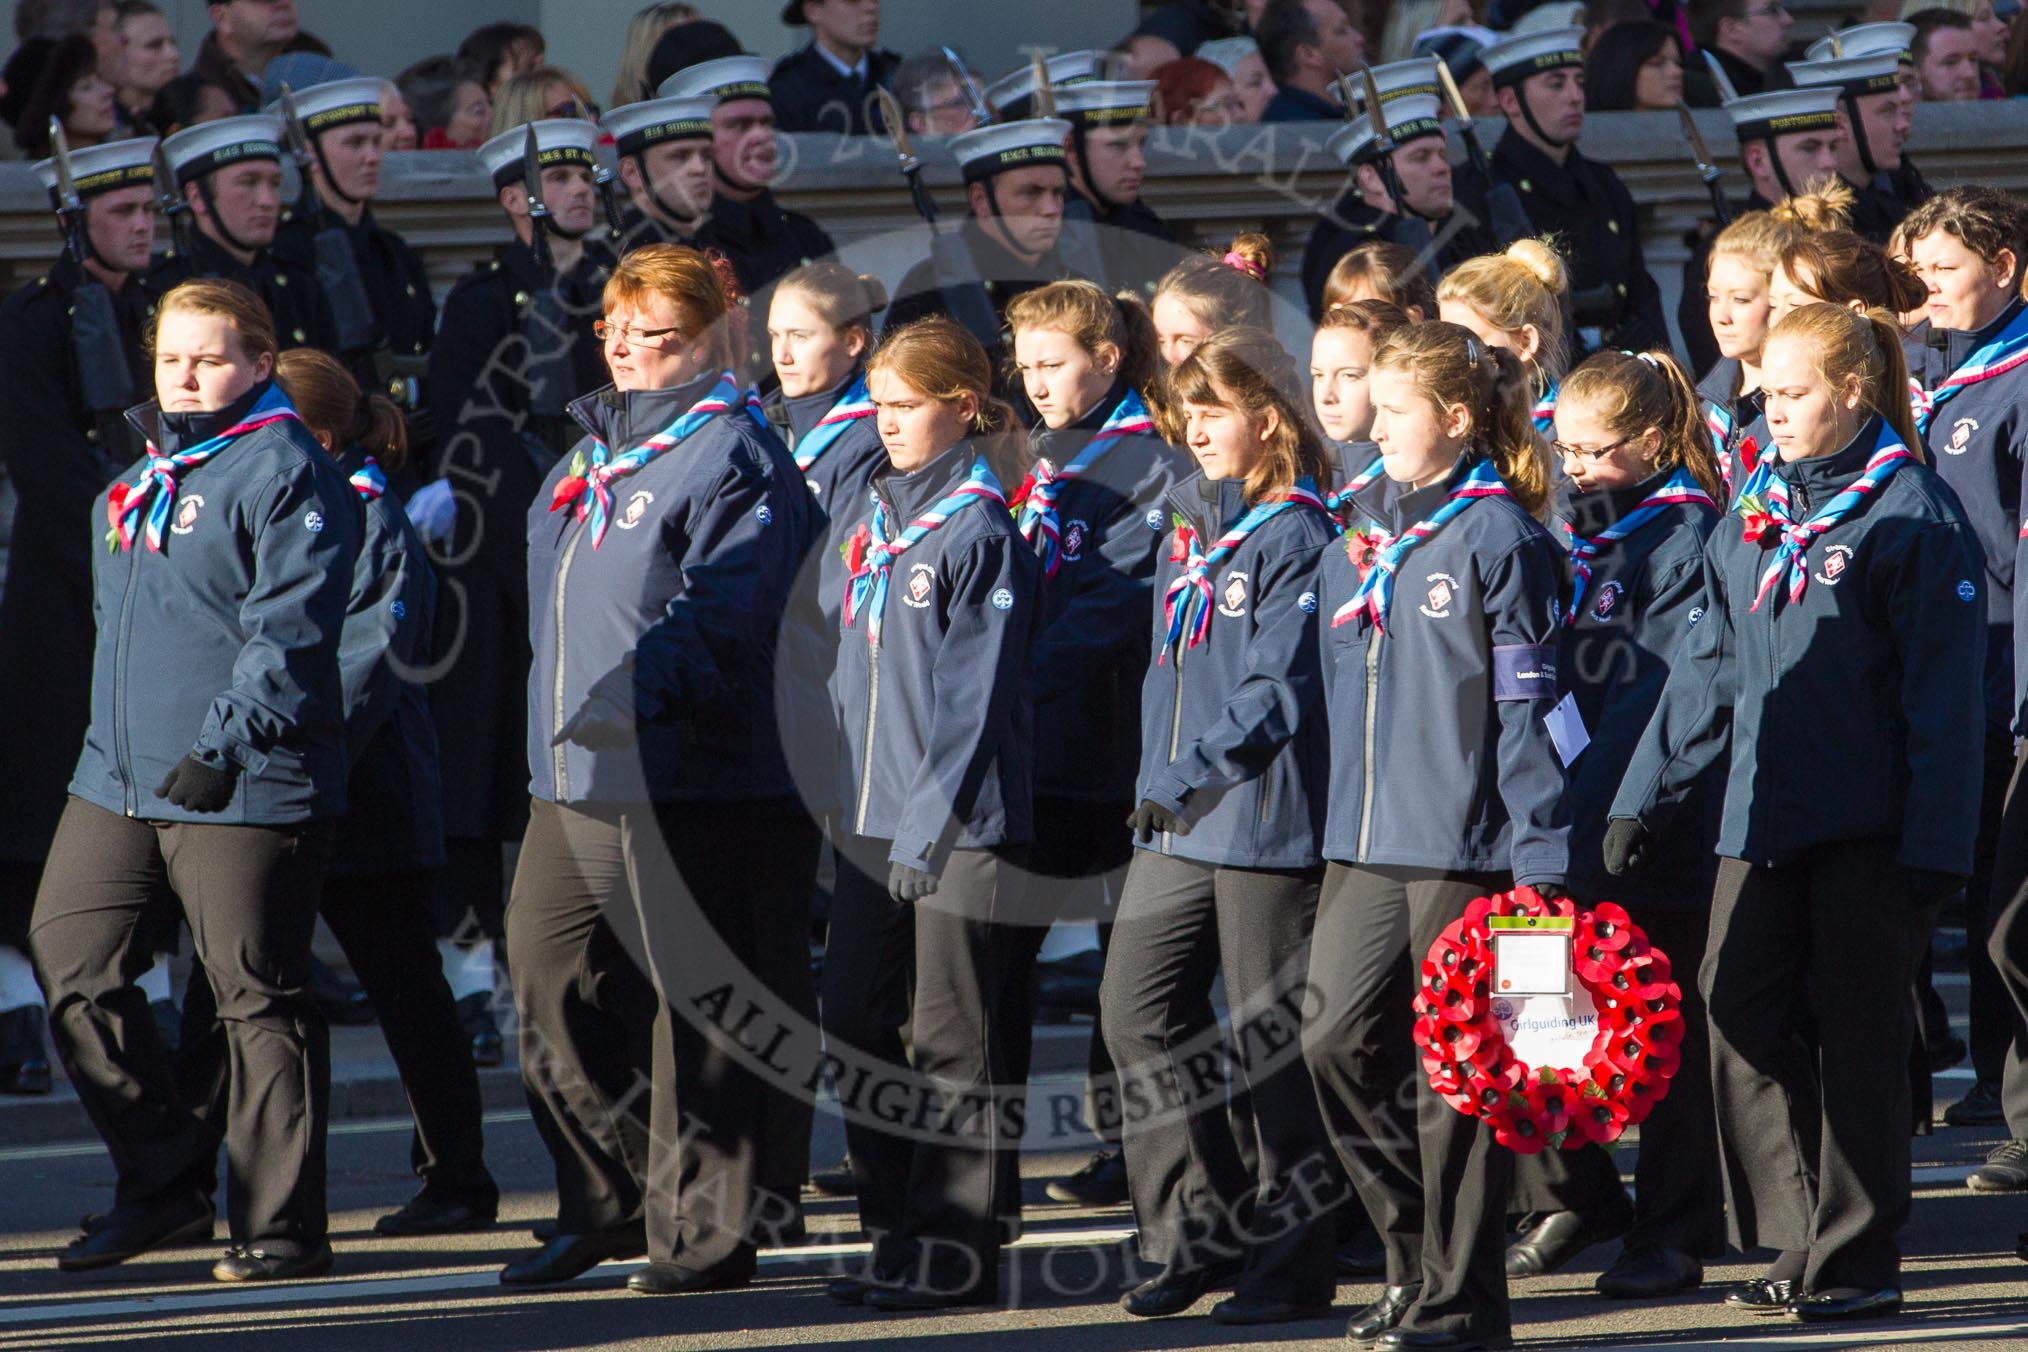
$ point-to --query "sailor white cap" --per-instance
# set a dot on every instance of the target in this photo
(1409, 117)
(104, 168)
(1857, 76)
(1010, 145)
(197, 151)
(337, 103)
(1866, 39)
(1398, 79)
(558, 140)
(1780, 112)
(1513, 60)
(723, 80)
(637, 126)
(1013, 94)
(1107, 103)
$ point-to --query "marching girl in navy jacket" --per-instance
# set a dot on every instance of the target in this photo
(664, 828)
(1516, 300)
(1639, 496)
(390, 842)
(1341, 361)
(1231, 787)
(1440, 643)
(938, 620)
(1845, 633)
(215, 758)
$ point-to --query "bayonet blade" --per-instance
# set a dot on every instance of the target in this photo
(1707, 168)
(66, 186)
(1376, 110)
(531, 170)
(1726, 91)
(1043, 102)
(897, 129)
(975, 97)
(292, 123)
(1452, 94)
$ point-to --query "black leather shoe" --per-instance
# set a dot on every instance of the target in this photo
(1563, 1235)
(1435, 1339)
(1102, 1182)
(1980, 1107)
(24, 1056)
(431, 1213)
(903, 1298)
(475, 1013)
(1382, 1314)
(251, 1263)
(544, 1230)
(674, 1279)
(128, 1232)
(1168, 1293)
(1649, 1272)
(1762, 1295)
(1266, 1310)
(1846, 1302)
(569, 1256)
(837, 1181)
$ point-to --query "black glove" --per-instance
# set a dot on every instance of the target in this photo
(196, 787)
(1927, 887)
(1627, 842)
(600, 722)
(907, 884)
(1151, 819)
(1551, 889)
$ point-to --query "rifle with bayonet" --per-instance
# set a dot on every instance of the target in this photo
(337, 267)
(175, 208)
(1509, 218)
(603, 177)
(975, 97)
(956, 274)
(1721, 206)
(1412, 232)
(99, 351)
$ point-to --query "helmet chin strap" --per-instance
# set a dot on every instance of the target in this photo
(218, 224)
(330, 179)
(1859, 135)
(1528, 115)
(654, 195)
(1091, 188)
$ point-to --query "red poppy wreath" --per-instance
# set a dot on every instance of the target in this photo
(1633, 1055)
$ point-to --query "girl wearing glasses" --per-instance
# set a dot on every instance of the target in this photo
(1515, 300)
(1641, 492)
(664, 839)
(1439, 632)
(1846, 632)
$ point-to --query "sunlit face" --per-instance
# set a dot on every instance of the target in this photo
(1340, 359)
(1806, 416)
(914, 428)
(1557, 99)
(810, 356)
(1658, 84)
(1178, 329)
(1419, 441)
(568, 191)
(200, 364)
(1031, 207)
(1784, 293)
(1949, 72)
(247, 198)
(1809, 157)
(743, 142)
(1425, 174)
(1226, 440)
(1736, 294)
(122, 227)
(646, 348)
(353, 155)
(1115, 161)
(1523, 342)
(148, 55)
(1595, 457)
(397, 120)
(1966, 292)
(1886, 119)
(679, 173)
(1063, 378)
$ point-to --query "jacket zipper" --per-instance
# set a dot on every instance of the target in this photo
(1175, 729)
(1366, 741)
(557, 714)
(872, 723)
(121, 647)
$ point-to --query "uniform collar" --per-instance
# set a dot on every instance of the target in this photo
(1540, 173)
(1590, 513)
(1721, 383)
(907, 495)
(171, 432)
(1417, 504)
(757, 218)
(839, 68)
(1210, 506)
(806, 411)
(1960, 344)
(1825, 474)
(621, 418)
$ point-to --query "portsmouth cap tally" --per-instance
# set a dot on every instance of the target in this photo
(723, 80)
(1856, 76)
(1410, 117)
(1513, 60)
(1866, 39)
(1780, 112)
(1013, 94)
(105, 168)
(558, 140)
(1107, 103)
(197, 151)
(1010, 145)
(639, 126)
(337, 103)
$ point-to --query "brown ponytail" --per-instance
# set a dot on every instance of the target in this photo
(1452, 368)
(1246, 369)
(331, 405)
(1864, 347)
(1630, 393)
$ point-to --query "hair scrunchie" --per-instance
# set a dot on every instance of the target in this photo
(1239, 262)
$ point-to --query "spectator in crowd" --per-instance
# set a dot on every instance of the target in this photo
(932, 99)
(398, 120)
(502, 51)
(1182, 27)
(632, 84)
(1241, 61)
(1408, 20)
(149, 59)
(449, 100)
(1192, 91)
(68, 87)
(1633, 67)
(1946, 51)
(688, 45)
(186, 101)
(1993, 29)
(1748, 38)
(1306, 43)
(828, 85)
(1458, 49)
(245, 35)
(546, 91)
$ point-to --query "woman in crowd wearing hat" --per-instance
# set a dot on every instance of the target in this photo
(1435, 799)
(932, 679)
(218, 765)
(1834, 849)
(664, 827)
(1225, 877)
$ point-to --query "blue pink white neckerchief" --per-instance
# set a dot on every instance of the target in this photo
(1764, 504)
(1187, 604)
(368, 481)
(1339, 503)
(588, 487)
(1680, 487)
(870, 556)
(2005, 351)
(1469, 482)
(1544, 413)
(1719, 421)
(1037, 494)
(852, 405)
(125, 502)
